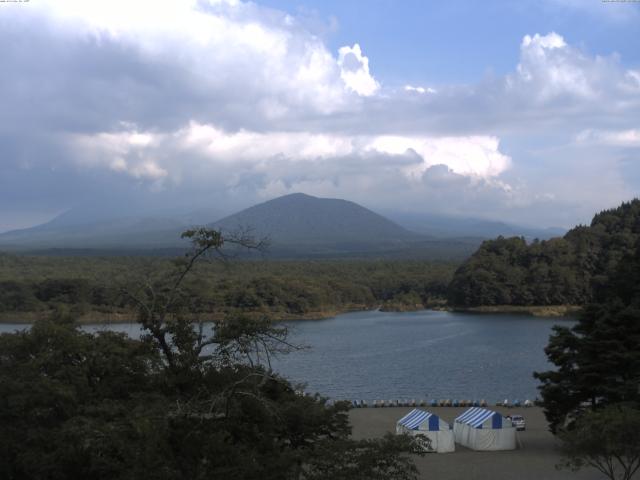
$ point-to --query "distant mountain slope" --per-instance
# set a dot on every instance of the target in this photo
(445, 226)
(297, 225)
(72, 233)
(108, 229)
(300, 219)
(563, 270)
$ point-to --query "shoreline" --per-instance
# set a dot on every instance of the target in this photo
(100, 317)
(533, 310)
(97, 317)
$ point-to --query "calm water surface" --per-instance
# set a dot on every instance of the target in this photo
(426, 354)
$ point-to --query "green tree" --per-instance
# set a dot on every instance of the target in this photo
(607, 440)
(74, 405)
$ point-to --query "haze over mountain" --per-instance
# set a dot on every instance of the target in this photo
(444, 226)
(107, 228)
(296, 225)
(113, 233)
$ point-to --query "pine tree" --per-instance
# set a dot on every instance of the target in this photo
(598, 359)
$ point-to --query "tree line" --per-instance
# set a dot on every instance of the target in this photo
(278, 289)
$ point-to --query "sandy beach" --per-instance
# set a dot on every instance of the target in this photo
(535, 459)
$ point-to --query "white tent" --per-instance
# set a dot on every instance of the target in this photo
(420, 424)
(482, 429)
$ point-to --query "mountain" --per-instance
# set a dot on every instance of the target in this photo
(109, 229)
(444, 226)
(298, 222)
(134, 232)
(297, 225)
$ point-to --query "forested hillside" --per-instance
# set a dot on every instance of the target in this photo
(566, 270)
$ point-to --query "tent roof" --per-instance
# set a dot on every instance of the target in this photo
(476, 416)
(415, 417)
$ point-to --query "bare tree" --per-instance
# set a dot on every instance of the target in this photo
(163, 303)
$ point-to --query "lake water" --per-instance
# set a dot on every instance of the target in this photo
(426, 354)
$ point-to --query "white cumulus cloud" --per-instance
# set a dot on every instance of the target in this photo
(354, 70)
(137, 153)
(223, 49)
(468, 155)
(552, 67)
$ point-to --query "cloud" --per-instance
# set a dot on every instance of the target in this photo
(354, 70)
(554, 90)
(227, 100)
(633, 77)
(143, 154)
(550, 68)
(168, 62)
(473, 155)
(421, 90)
(382, 171)
(619, 138)
(127, 151)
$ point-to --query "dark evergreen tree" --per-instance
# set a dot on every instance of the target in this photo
(598, 359)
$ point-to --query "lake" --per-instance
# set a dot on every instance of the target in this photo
(427, 354)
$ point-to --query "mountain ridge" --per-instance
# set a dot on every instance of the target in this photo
(298, 225)
(299, 218)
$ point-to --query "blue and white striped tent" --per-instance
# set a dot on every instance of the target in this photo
(419, 423)
(476, 417)
(482, 429)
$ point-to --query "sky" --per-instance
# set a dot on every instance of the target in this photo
(527, 112)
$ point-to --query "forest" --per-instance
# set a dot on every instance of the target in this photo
(570, 270)
(33, 287)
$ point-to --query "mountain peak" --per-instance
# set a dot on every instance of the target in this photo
(303, 219)
(296, 195)
(292, 197)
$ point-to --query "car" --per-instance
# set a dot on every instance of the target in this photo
(518, 422)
